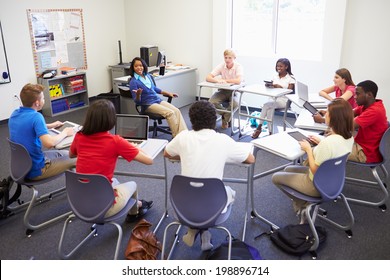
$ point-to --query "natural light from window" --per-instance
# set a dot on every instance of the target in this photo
(269, 28)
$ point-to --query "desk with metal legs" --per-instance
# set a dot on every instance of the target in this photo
(152, 148)
(233, 89)
(260, 89)
(282, 145)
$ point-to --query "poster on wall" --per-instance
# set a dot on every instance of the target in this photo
(4, 71)
(57, 39)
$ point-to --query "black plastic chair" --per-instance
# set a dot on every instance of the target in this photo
(198, 203)
(90, 197)
(329, 181)
(157, 119)
(380, 182)
(20, 165)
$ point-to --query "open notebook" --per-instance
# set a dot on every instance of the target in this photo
(134, 128)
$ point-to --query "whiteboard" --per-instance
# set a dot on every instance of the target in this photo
(57, 39)
(4, 71)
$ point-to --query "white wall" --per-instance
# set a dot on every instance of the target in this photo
(104, 25)
(180, 27)
(366, 44)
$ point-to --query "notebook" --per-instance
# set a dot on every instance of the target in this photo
(308, 106)
(67, 141)
(134, 128)
(299, 137)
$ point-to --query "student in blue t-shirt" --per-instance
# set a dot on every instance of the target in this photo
(28, 128)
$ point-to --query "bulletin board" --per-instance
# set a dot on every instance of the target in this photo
(4, 71)
(57, 39)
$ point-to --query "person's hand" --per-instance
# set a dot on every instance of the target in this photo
(305, 145)
(174, 95)
(322, 112)
(318, 118)
(221, 81)
(137, 91)
(314, 139)
(69, 131)
(54, 124)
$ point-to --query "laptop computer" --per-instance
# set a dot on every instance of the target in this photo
(67, 141)
(302, 91)
(133, 128)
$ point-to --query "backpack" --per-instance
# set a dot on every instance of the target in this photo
(240, 251)
(5, 187)
(297, 239)
(143, 243)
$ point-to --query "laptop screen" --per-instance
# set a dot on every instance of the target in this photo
(302, 90)
(310, 108)
(132, 126)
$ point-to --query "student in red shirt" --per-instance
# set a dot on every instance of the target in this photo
(371, 122)
(97, 151)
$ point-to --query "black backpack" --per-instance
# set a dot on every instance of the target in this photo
(240, 251)
(296, 239)
(5, 187)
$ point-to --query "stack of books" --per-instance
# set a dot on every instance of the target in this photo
(68, 70)
(74, 84)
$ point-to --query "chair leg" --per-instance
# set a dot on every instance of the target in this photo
(174, 242)
(61, 253)
(379, 182)
(230, 240)
(34, 200)
(348, 227)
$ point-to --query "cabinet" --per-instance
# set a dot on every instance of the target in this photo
(117, 71)
(64, 93)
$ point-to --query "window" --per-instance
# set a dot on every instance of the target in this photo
(268, 28)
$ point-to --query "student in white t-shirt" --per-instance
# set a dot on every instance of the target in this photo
(203, 153)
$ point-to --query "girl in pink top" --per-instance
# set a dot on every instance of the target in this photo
(343, 86)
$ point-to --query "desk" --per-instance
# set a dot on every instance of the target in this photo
(282, 145)
(260, 89)
(152, 148)
(232, 88)
(305, 121)
(182, 82)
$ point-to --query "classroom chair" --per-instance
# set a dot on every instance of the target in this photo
(329, 181)
(20, 165)
(90, 197)
(198, 203)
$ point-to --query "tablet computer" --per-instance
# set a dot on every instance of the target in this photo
(299, 137)
(310, 108)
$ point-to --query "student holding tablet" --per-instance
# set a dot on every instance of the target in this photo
(283, 79)
(338, 142)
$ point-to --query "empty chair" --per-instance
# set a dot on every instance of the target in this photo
(329, 181)
(90, 197)
(379, 182)
(198, 203)
(20, 166)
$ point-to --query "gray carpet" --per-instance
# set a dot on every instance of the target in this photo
(369, 241)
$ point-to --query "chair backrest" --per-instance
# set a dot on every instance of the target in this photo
(89, 195)
(384, 145)
(330, 176)
(197, 202)
(21, 162)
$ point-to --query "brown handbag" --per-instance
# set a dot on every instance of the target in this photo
(143, 243)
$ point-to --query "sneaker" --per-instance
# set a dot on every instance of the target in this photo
(206, 241)
(190, 236)
(146, 205)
